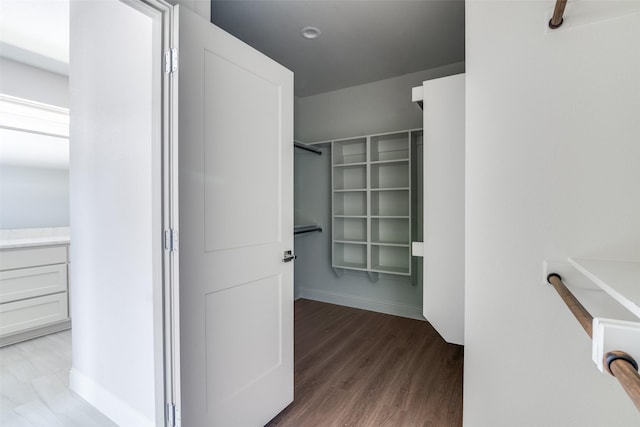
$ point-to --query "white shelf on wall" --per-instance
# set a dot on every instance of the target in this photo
(610, 292)
(619, 279)
(592, 296)
(371, 204)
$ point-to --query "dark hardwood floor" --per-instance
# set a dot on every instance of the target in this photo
(360, 368)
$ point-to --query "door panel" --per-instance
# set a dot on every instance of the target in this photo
(236, 221)
(243, 152)
(236, 358)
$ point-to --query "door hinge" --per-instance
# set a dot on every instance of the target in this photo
(173, 415)
(171, 240)
(171, 61)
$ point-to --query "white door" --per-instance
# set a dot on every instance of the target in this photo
(235, 168)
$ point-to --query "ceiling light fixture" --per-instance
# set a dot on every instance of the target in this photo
(310, 33)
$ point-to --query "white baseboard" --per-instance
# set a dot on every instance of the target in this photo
(362, 303)
(111, 406)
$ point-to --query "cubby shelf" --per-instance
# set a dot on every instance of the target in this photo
(346, 165)
(390, 189)
(379, 162)
(371, 203)
(398, 245)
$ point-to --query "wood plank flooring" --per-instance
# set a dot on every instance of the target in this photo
(34, 386)
(352, 368)
(360, 368)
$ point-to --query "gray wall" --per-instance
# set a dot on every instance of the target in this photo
(378, 107)
(33, 197)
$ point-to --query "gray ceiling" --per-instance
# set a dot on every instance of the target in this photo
(362, 40)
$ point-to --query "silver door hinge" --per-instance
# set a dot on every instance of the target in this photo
(171, 61)
(171, 240)
(173, 415)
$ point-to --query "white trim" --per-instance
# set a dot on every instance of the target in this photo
(401, 310)
(31, 116)
(105, 402)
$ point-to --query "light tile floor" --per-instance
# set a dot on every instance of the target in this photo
(34, 386)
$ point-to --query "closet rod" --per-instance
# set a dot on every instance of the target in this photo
(619, 364)
(582, 315)
(307, 147)
(306, 229)
(558, 11)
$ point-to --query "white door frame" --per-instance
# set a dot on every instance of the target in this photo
(166, 296)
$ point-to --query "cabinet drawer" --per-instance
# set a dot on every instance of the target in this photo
(32, 257)
(32, 282)
(26, 314)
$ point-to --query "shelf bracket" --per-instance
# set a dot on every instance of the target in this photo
(612, 335)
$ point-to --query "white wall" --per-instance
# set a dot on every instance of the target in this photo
(552, 159)
(378, 107)
(25, 81)
(33, 196)
(115, 210)
(443, 284)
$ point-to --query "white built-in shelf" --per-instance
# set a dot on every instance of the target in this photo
(351, 266)
(352, 151)
(379, 162)
(619, 279)
(610, 292)
(389, 269)
(371, 204)
(346, 165)
(399, 245)
(391, 189)
(389, 147)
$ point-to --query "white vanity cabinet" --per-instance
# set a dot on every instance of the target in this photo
(34, 297)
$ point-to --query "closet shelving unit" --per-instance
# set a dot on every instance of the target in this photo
(371, 183)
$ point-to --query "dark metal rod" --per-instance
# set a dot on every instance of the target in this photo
(307, 147)
(307, 230)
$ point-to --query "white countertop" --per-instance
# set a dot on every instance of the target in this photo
(34, 237)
